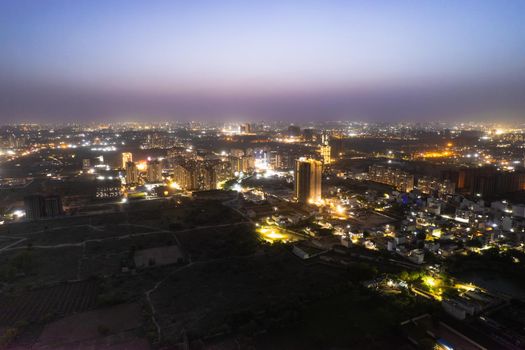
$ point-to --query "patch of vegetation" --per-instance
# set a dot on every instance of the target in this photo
(355, 317)
(508, 263)
(213, 243)
(202, 214)
(359, 272)
(22, 263)
(241, 295)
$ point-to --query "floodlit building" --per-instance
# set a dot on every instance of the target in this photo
(308, 180)
(126, 157)
(325, 151)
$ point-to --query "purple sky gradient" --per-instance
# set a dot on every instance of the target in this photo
(495, 101)
(378, 60)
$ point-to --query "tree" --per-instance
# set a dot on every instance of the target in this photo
(361, 272)
(474, 243)
(404, 275)
(421, 235)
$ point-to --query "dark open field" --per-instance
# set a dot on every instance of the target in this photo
(45, 303)
(239, 293)
(95, 324)
(233, 284)
(217, 242)
(31, 267)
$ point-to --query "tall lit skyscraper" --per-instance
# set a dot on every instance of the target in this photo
(324, 149)
(325, 152)
(126, 157)
(308, 180)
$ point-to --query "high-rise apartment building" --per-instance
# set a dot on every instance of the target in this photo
(488, 181)
(308, 180)
(38, 206)
(186, 175)
(395, 177)
(132, 174)
(243, 164)
(200, 175)
(325, 151)
(275, 160)
(53, 206)
(154, 172)
(431, 185)
(34, 207)
(126, 157)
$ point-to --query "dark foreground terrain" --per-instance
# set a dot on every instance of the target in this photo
(206, 281)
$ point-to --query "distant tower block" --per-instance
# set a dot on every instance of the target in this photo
(132, 174)
(154, 172)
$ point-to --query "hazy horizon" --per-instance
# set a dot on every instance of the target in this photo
(293, 60)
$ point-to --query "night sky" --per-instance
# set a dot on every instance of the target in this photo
(99, 60)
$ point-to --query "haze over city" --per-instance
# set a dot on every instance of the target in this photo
(238, 60)
(262, 175)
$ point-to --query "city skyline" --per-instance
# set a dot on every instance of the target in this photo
(292, 60)
(279, 235)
